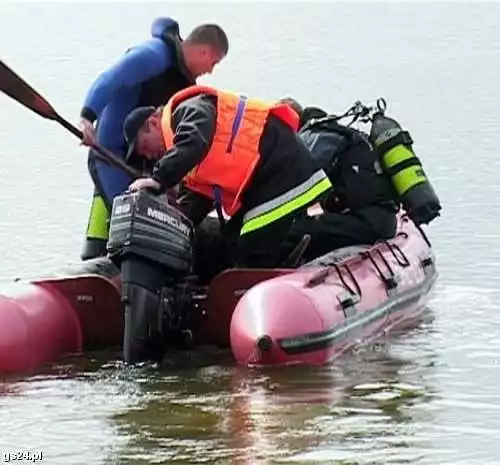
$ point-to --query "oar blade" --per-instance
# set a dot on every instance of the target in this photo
(19, 90)
(16, 88)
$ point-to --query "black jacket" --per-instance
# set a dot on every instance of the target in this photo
(351, 163)
(284, 160)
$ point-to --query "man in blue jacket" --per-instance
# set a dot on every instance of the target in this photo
(146, 75)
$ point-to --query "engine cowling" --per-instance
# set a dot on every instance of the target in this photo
(147, 226)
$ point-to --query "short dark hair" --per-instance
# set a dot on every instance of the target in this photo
(209, 34)
(299, 109)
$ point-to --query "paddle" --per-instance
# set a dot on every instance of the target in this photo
(19, 90)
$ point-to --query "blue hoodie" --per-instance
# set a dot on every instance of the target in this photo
(147, 74)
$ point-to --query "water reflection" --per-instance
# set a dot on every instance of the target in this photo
(369, 406)
(64, 412)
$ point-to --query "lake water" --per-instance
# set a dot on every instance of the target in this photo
(426, 397)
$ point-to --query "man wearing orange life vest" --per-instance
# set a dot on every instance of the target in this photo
(231, 151)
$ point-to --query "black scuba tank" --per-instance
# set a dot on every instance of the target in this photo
(394, 146)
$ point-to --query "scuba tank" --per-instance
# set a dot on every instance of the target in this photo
(394, 146)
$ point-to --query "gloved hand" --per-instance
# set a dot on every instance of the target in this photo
(333, 203)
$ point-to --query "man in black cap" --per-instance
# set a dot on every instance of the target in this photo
(231, 152)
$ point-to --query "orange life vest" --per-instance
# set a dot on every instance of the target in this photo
(234, 153)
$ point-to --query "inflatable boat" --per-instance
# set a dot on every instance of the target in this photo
(143, 298)
(315, 313)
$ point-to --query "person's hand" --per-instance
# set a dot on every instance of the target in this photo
(88, 132)
(144, 183)
(172, 195)
(152, 156)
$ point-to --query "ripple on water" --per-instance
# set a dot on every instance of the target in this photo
(66, 417)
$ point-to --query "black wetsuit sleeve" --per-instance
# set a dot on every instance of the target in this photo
(194, 122)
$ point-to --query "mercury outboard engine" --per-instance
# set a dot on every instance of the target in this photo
(151, 241)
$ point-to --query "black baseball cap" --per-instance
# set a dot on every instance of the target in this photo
(133, 122)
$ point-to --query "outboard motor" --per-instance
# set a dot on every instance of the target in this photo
(152, 243)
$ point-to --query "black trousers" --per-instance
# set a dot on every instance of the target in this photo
(215, 252)
(217, 248)
(262, 248)
(330, 231)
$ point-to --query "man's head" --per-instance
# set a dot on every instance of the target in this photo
(305, 113)
(294, 104)
(142, 129)
(203, 48)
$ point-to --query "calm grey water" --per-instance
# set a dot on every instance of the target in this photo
(426, 397)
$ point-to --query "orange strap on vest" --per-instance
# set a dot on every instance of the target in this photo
(234, 152)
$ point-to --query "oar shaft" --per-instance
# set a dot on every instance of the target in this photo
(68, 126)
(106, 155)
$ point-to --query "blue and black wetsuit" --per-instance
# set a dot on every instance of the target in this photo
(147, 74)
